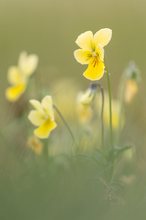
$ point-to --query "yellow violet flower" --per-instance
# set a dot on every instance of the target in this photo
(18, 75)
(91, 52)
(85, 113)
(132, 79)
(131, 88)
(84, 109)
(86, 97)
(116, 110)
(42, 117)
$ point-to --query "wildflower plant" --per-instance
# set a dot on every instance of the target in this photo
(91, 52)
(18, 76)
(43, 117)
(96, 108)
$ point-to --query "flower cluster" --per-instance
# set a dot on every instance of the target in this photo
(94, 103)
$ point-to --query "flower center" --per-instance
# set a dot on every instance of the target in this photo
(94, 54)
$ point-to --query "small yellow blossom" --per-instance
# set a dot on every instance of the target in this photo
(84, 109)
(117, 119)
(131, 88)
(42, 117)
(86, 97)
(91, 52)
(18, 75)
(131, 79)
(35, 144)
(85, 113)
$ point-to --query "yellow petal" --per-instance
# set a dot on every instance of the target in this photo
(82, 56)
(36, 104)
(36, 118)
(85, 40)
(103, 37)
(86, 97)
(13, 93)
(131, 88)
(47, 105)
(85, 113)
(100, 51)
(28, 63)
(44, 130)
(94, 71)
(117, 117)
(15, 76)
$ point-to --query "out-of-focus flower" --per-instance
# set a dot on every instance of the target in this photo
(42, 117)
(132, 78)
(18, 75)
(116, 113)
(91, 52)
(65, 100)
(85, 113)
(84, 101)
(131, 89)
(35, 144)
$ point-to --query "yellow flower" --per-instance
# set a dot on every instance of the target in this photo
(91, 52)
(42, 117)
(35, 144)
(18, 75)
(84, 109)
(131, 88)
(86, 97)
(116, 117)
(131, 78)
(85, 113)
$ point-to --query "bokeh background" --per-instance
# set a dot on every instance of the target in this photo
(49, 28)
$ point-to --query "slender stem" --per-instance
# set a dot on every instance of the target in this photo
(102, 112)
(110, 106)
(94, 87)
(121, 110)
(65, 123)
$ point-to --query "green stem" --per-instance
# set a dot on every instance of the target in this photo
(102, 112)
(121, 98)
(94, 87)
(110, 106)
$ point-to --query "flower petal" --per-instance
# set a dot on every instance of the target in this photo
(94, 71)
(103, 37)
(85, 113)
(14, 92)
(85, 40)
(36, 118)
(15, 76)
(100, 51)
(36, 104)
(82, 56)
(47, 105)
(44, 130)
(28, 63)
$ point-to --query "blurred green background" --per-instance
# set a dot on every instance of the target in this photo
(49, 28)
